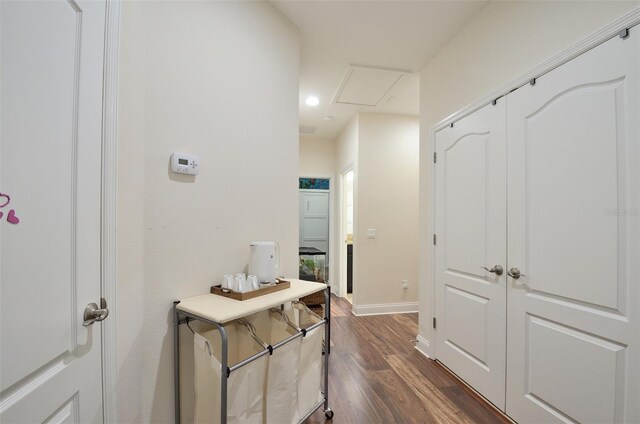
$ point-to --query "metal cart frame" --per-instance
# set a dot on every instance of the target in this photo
(182, 317)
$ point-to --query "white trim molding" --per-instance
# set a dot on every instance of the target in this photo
(626, 21)
(385, 308)
(423, 346)
(108, 218)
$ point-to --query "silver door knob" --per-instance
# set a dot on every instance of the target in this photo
(92, 313)
(515, 273)
(497, 269)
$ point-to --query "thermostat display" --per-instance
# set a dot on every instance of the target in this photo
(184, 163)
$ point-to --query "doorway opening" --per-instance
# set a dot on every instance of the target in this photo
(346, 254)
(314, 229)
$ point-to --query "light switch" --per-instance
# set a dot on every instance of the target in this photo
(371, 233)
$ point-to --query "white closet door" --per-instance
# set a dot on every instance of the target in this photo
(574, 232)
(471, 233)
(314, 219)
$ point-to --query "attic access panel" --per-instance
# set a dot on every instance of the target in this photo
(366, 86)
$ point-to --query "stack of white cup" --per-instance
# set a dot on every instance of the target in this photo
(240, 283)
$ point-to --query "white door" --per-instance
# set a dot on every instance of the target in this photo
(574, 232)
(314, 220)
(346, 232)
(471, 234)
(50, 169)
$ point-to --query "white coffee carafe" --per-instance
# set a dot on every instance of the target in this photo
(264, 260)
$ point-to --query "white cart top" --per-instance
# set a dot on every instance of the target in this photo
(223, 309)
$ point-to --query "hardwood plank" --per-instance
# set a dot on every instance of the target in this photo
(406, 406)
(442, 409)
(376, 375)
(338, 309)
(480, 401)
(476, 410)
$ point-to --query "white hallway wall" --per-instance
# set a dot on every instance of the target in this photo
(218, 79)
(387, 200)
(384, 151)
(505, 40)
(318, 159)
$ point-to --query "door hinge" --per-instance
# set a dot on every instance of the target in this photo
(434, 322)
(434, 239)
(435, 157)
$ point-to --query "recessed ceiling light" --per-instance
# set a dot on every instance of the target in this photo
(312, 101)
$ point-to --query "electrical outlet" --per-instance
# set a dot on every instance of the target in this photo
(405, 284)
(371, 233)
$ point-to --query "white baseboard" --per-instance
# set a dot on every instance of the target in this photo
(423, 346)
(385, 308)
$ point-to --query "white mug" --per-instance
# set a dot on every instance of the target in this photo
(238, 284)
(252, 281)
(227, 282)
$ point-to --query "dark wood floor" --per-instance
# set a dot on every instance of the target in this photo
(377, 376)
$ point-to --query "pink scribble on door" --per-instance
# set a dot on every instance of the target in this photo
(6, 202)
(5, 199)
(12, 218)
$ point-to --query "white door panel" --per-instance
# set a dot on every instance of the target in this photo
(57, 116)
(315, 228)
(67, 413)
(568, 188)
(314, 220)
(466, 324)
(316, 204)
(465, 184)
(471, 231)
(50, 166)
(573, 230)
(559, 381)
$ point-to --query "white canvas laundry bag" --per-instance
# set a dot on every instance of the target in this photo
(310, 364)
(245, 386)
(281, 390)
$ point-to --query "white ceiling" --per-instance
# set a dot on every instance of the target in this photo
(396, 34)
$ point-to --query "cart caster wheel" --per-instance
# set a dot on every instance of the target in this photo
(328, 414)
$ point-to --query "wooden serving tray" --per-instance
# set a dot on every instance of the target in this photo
(280, 285)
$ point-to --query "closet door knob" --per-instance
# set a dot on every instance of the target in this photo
(497, 269)
(92, 313)
(515, 273)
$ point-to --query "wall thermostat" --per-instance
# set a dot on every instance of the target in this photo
(184, 163)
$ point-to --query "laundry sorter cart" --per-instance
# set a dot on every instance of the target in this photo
(222, 312)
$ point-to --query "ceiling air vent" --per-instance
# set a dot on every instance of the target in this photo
(307, 129)
(366, 86)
